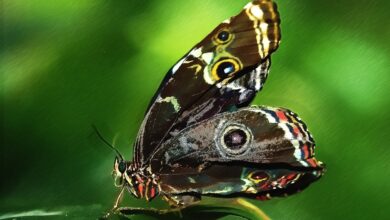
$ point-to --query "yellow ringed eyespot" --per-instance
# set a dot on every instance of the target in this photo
(223, 37)
(258, 176)
(224, 68)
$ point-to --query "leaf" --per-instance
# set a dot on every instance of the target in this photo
(238, 207)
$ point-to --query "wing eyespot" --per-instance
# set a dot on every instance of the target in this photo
(223, 37)
(258, 176)
(234, 139)
(225, 68)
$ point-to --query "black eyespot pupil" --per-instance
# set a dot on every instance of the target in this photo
(223, 36)
(259, 175)
(225, 68)
(235, 139)
(122, 167)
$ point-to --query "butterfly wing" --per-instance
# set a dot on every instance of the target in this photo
(260, 183)
(235, 94)
(256, 151)
(214, 75)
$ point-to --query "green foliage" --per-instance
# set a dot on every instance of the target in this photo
(68, 64)
(230, 209)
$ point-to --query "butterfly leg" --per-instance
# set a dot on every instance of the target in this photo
(118, 199)
(177, 203)
(115, 206)
(181, 201)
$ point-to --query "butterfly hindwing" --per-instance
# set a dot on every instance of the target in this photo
(207, 80)
(251, 151)
(231, 181)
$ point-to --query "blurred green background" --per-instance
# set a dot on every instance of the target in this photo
(68, 64)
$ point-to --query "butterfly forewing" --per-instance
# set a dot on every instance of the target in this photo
(207, 80)
(235, 94)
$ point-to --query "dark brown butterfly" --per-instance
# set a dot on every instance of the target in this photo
(198, 138)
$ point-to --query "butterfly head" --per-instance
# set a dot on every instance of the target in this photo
(124, 175)
(120, 168)
(127, 175)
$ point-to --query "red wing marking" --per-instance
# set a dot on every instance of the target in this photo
(312, 162)
(296, 131)
(305, 149)
(281, 116)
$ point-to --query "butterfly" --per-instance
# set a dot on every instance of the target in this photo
(200, 138)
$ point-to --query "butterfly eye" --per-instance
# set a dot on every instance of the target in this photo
(235, 139)
(122, 167)
(225, 68)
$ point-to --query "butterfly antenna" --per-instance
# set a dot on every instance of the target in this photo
(106, 142)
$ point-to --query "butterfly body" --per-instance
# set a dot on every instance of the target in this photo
(199, 138)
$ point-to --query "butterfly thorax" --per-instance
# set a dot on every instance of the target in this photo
(137, 180)
(141, 183)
